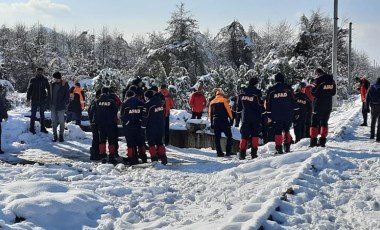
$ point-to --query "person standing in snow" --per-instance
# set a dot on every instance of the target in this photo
(94, 149)
(74, 111)
(324, 90)
(234, 108)
(3, 116)
(197, 103)
(221, 120)
(60, 97)
(153, 121)
(131, 115)
(169, 104)
(106, 117)
(38, 94)
(305, 108)
(250, 105)
(373, 100)
(281, 108)
(364, 85)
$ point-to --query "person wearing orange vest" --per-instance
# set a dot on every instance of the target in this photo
(221, 119)
(77, 89)
(169, 104)
(364, 85)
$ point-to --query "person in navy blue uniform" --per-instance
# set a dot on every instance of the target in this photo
(373, 100)
(305, 108)
(220, 115)
(250, 106)
(153, 121)
(281, 108)
(94, 149)
(324, 90)
(106, 117)
(131, 115)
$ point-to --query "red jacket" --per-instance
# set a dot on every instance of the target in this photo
(307, 90)
(169, 102)
(197, 102)
(363, 88)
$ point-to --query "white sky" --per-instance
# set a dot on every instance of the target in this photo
(144, 16)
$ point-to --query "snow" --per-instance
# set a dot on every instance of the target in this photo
(55, 186)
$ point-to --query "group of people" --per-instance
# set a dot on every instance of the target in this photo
(308, 108)
(145, 117)
(56, 95)
(144, 114)
(370, 97)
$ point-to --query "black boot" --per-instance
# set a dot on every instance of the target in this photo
(254, 153)
(286, 147)
(164, 159)
(219, 154)
(313, 142)
(94, 155)
(322, 141)
(279, 149)
(1, 151)
(60, 139)
(55, 139)
(32, 130)
(43, 129)
(111, 159)
(154, 159)
(242, 154)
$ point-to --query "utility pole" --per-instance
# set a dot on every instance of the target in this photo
(349, 58)
(335, 48)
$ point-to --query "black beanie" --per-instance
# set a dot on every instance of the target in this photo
(105, 90)
(149, 94)
(279, 78)
(57, 75)
(253, 81)
(130, 93)
(154, 88)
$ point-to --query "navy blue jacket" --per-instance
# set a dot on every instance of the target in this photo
(324, 90)
(280, 103)
(304, 104)
(154, 114)
(373, 95)
(131, 112)
(250, 103)
(220, 112)
(106, 111)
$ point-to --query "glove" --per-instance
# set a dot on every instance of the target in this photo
(231, 122)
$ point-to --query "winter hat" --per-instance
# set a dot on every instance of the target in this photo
(219, 91)
(149, 94)
(279, 78)
(154, 88)
(105, 90)
(133, 88)
(77, 84)
(136, 81)
(253, 81)
(130, 93)
(57, 75)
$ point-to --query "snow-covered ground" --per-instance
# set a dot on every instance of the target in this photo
(320, 188)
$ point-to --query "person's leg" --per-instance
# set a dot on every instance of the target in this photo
(314, 130)
(42, 117)
(217, 137)
(61, 121)
(228, 133)
(365, 114)
(33, 113)
(278, 139)
(245, 134)
(54, 122)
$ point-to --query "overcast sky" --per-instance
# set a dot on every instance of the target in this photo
(143, 16)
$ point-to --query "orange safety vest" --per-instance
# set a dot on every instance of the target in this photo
(79, 91)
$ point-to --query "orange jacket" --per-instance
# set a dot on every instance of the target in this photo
(169, 102)
(78, 90)
(307, 90)
(217, 110)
